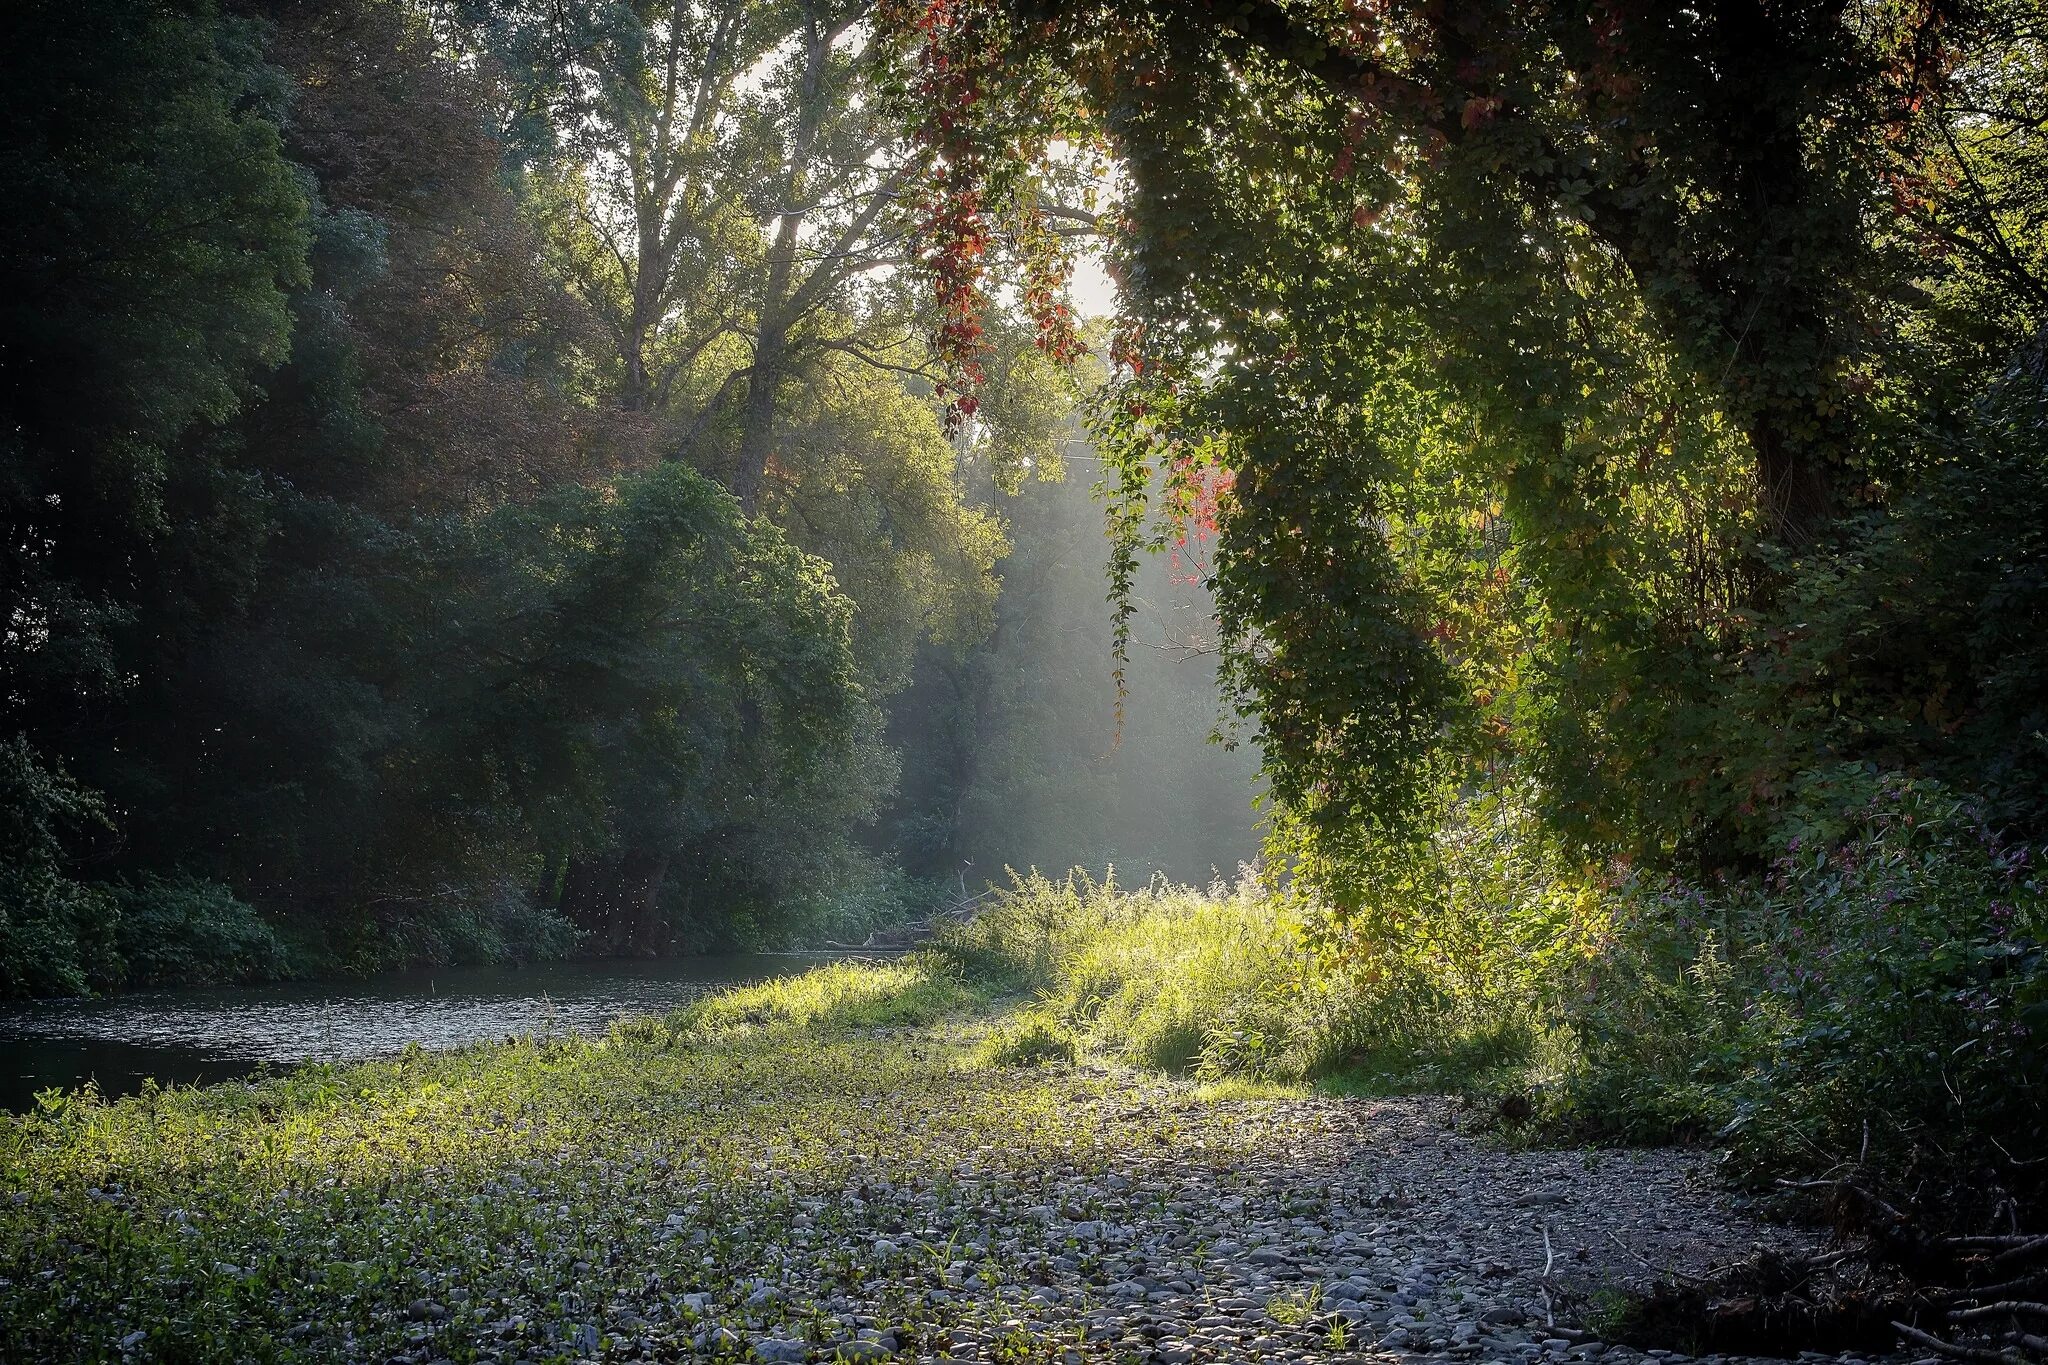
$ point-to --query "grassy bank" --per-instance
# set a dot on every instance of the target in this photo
(847, 1168)
(1875, 1001)
(562, 1199)
(362, 1210)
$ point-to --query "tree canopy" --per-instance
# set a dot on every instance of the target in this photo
(1637, 404)
(474, 485)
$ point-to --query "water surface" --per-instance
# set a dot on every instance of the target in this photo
(190, 1036)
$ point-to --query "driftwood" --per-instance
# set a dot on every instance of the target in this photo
(1986, 1295)
(913, 932)
(1902, 1277)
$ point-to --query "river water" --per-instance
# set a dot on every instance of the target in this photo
(192, 1036)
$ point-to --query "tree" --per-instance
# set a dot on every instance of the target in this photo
(152, 231)
(1555, 351)
(352, 621)
(723, 179)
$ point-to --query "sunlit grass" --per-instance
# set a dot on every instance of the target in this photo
(1030, 1038)
(920, 989)
(1235, 1088)
(221, 1221)
(1222, 984)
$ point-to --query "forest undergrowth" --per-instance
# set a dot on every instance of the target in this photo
(1867, 1007)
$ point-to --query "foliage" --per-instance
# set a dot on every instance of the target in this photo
(56, 934)
(340, 579)
(1031, 1040)
(1558, 391)
(915, 990)
(152, 229)
(317, 1213)
(184, 931)
(1875, 999)
(1169, 977)
(777, 359)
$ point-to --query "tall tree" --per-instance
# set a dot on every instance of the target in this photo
(1557, 352)
(726, 181)
(151, 231)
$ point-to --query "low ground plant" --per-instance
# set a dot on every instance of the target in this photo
(525, 1193)
(1032, 1039)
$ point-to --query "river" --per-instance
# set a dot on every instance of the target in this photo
(190, 1036)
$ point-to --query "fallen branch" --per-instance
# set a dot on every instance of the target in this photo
(1949, 1348)
(2003, 1308)
(2024, 1249)
(2007, 1288)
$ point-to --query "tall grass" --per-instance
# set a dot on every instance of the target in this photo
(1227, 982)
(1878, 996)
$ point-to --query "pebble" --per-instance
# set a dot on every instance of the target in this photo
(1282, 1232)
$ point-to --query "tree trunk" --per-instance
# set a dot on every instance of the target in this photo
(616, 901)
(1796, 487)
(757, 423)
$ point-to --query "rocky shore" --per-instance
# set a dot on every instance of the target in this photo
(1266, 1230)
(870, 1195)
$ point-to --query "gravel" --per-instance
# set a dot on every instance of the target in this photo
(1287, 1230)
(871, 1199)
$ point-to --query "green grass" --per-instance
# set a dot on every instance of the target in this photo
(918, 989)
(285, 1218)
(1796, 1015)
(305, 1216)
(1223, 985)
(1030, 1039)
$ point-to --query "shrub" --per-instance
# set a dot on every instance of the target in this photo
(1878, 999)
(1033, 1040)
(1876, 996)
(1217, 983)
(191, 932)
(1018, 940)
(918, 989)
(56, 933)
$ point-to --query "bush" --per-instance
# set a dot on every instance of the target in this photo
(1877, 996)
(1879, 999)
(190, 932)
(461, 925)
(56, 933)
(1033, 1040)
(1217, 983)
(918, 989)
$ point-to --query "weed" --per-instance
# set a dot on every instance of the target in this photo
(1294, 1307)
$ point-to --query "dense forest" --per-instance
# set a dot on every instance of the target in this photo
(476, 488)
(1367, 576)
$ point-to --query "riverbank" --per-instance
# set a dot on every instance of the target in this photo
(227, 1032)
(833, 1166)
